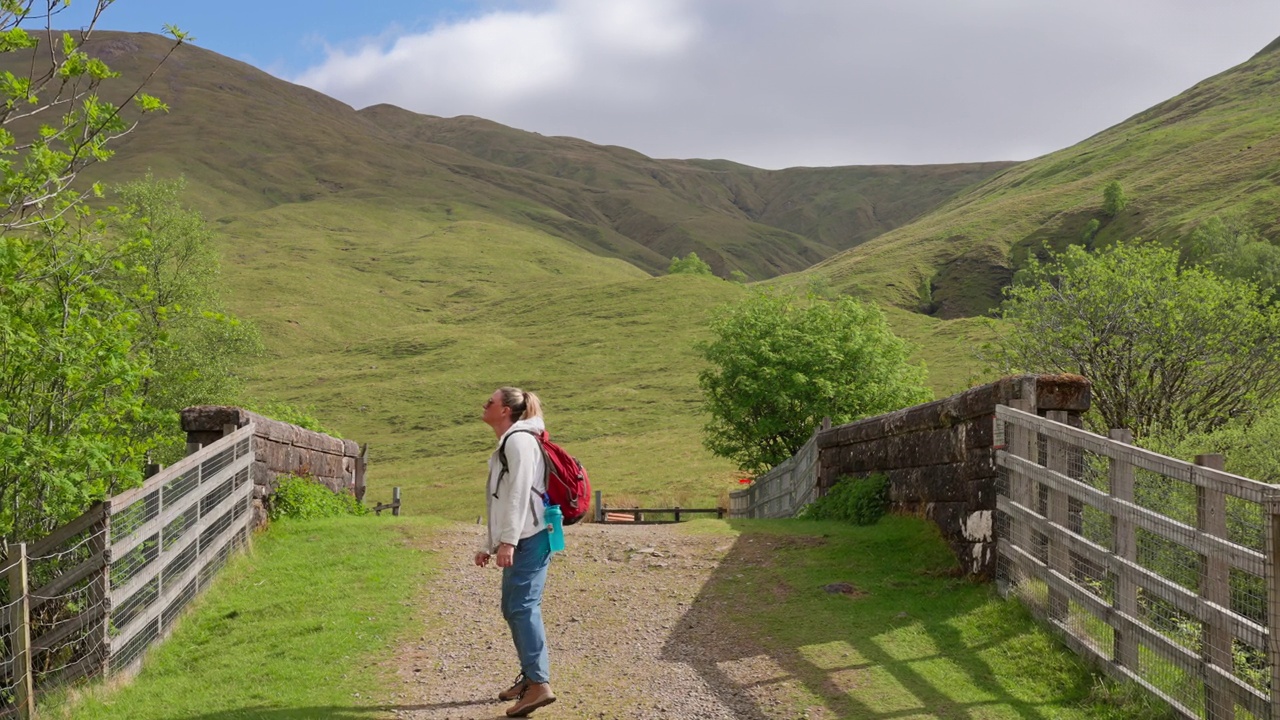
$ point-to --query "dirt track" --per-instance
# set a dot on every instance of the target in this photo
(631, 636)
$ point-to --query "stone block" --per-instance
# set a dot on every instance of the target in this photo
(274, 430)
(275, 455)
(1063, 392)
(299, 461)
(326, 464)
(261, 474)
(211, 418)
(909, 487)
(980, 432)
(204, 438)
(304, 438)
(351, 448)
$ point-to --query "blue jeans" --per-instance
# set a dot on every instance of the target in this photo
(522, 585)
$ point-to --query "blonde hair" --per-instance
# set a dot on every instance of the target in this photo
(524, 405)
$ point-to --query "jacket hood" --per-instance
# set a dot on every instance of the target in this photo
(534, 424)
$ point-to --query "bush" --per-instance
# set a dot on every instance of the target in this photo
(302, 498)
(1113, 199)
(860, 501)
(691, 264)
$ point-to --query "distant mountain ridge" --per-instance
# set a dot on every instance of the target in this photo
(248, 142)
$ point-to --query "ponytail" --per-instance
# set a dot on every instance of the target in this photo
(524, 405)
(532, 406)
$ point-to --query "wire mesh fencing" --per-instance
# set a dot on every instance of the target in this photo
(1161, 570)
(103, 588)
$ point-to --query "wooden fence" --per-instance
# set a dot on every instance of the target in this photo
(782, 491)
(112, 582)
(1163, 572)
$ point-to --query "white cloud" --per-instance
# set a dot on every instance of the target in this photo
(505, 60)
(812, 82)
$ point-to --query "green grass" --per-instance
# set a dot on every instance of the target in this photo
(913, 640)
(430, 311)
(296, 628)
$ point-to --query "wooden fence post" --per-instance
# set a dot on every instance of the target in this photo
(395, 502)
(1021, 442)
(599, 508)
(362, 466)
(1215, 587)
(1272, 550)
(19, 625)
(1125, 646)
(101, 543)
(1058, 513)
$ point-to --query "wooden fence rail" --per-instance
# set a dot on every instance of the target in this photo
(782, 491)
(111, 583)
(1162, 571)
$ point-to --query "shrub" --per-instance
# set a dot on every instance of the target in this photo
(691, 264)
(302, 498)
(861, 501)
(1113, 199)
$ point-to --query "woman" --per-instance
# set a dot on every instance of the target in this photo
(517, 537)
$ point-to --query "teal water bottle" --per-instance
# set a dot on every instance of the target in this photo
(555, 527)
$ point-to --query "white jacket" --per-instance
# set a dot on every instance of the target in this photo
(517, 511)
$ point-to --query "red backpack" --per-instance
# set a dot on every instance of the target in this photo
(566, 480)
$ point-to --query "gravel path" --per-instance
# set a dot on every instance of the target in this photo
(630, 636)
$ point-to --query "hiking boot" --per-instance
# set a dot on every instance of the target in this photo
(535, 696)
(515, 691)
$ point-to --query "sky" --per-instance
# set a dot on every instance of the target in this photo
(769, 83)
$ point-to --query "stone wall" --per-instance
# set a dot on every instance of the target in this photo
(939, 457)
(281, 449)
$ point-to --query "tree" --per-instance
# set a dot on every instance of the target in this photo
(690, 265)
(1090, 232)
(1233, 249)
(1165, 345)
(69, 375)
(170, 274)
(1113, 199)
(69, 385)
(779, 364)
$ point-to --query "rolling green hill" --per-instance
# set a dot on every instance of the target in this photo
(1213, 150)
(734, 216)
(249, 142)
(402, 266)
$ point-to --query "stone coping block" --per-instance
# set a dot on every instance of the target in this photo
(212, 418)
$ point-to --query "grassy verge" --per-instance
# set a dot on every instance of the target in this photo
(291, 630)
(902, 638)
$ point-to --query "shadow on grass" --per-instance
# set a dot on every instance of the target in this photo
(905, 638)
(334, 712)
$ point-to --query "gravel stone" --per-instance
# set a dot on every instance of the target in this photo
(626, 641)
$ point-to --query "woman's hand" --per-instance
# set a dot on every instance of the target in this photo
(506, 555)
(482, 559)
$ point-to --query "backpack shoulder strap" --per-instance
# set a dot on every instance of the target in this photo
(502, 458)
